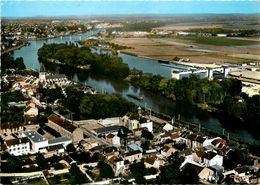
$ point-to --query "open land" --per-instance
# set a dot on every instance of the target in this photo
(214, 50)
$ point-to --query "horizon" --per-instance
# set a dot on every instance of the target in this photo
(15, 9)
(129, 15)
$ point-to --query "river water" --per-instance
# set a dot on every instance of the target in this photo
(153, 101)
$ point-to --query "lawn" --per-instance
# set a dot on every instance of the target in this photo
(217, 41)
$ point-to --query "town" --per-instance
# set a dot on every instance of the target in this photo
(136, 147)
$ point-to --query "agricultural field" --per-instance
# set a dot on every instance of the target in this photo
(217, 41)
(202, 52)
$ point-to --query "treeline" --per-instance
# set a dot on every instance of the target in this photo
(8, 62)
(75, 56)
(7, 113)
(225, 95)
(86, 106)
(95, 106)
(191, 90)
(139, 26)
(229, 32)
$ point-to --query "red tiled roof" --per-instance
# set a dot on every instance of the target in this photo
(66, 125)
(175, 136)
(110, 136)
(165, 148)
(218, 140)
(10, 125)
(114, 159)
(192, 137)
(17, 141)
(150, 160)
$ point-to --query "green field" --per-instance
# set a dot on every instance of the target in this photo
(219, 41)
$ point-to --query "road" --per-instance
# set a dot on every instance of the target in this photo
(155, 119)
(32, 174)
(83, 170)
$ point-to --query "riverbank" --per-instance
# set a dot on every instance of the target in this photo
(15, 48)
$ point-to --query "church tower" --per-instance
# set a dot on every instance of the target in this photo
(42, 74)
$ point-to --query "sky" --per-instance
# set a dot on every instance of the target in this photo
(31, 8)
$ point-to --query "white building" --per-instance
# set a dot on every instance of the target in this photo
(60, 140)
(109, 121)
(168, 127)
(135, 124)
(39, 143)
(211, 158)
(18, 146)
(118, 165)
(148, 124)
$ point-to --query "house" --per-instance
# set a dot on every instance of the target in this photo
(148, 124)
(198, 155)
(106, 130)
(198, 168)
(190, 140)
(138, 132)
(118, 165)
(18, 146)
(187, 154)
(165, 136)
(30, 111)
(134, 147)
(183, 136)
(65, 128)
(10, 128)
(198, 143)
(215, 143)
(64, 141)
(54, 150)
(132, 124)
(133, 156)
(175, 136)
(212, 158)
(168, 127)
(167, 150)
(206, 174)
(38, 142)
(113, 139)
(109, 121)
(153, 162)
(89, 143)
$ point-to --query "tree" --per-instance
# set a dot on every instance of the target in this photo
(138, 172)
(105, 170)
(170, 174)
(77, 177)
(189, 176)
(147, 135)
(41, 162)
(70, 148)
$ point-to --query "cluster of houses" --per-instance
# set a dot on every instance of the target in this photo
(17, 140)
(202, 153)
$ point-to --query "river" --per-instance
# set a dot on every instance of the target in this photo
(153, 101)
